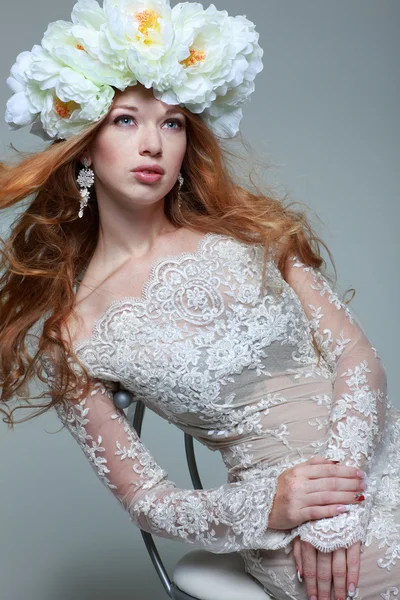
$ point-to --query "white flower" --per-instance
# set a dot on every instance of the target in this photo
(73, 104)
(142, 24)
(26, 102)
(207, 63)
(43, 70)
(67, 101)
(77, 47)
(143, 32)
(90, 28)
(202, 59)
(187, 18)
(223, 60)
(224, 115)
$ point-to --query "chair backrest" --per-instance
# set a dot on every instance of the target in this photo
(161, 571)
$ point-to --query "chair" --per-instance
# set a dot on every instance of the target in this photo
(201, 575)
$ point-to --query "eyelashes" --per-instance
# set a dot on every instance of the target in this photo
(178, 122)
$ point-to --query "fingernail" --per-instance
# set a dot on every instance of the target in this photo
(361, 474)
(313, 598)
(359, 497)
(363, 485)
(336, 462)
(342, 508)
(351, 592)
(299, 576)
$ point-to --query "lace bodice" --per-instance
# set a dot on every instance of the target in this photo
(231, 362)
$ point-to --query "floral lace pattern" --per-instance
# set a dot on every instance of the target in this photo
(233, 364)
(391, 594)
(228, 518)
(357, 419)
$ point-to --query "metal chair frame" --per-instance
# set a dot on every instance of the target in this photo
(171, 589)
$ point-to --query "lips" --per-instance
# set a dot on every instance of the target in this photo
(149, 169)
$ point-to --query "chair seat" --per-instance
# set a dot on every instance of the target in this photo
(208, 576)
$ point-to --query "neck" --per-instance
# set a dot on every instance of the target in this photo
(132, 232)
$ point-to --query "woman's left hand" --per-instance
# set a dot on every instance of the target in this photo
(319, 570)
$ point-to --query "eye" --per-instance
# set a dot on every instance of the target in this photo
(118, 119)
(123, 118)
(177, 122)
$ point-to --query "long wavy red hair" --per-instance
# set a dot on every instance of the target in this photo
(49, 246)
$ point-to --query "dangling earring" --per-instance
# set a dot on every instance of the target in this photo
(181, 181)
(85, 180)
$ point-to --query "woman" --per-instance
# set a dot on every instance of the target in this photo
(150, 267)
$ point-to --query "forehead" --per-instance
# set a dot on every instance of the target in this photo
(141, 99)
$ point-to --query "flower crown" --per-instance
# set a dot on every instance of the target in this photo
(203, 60)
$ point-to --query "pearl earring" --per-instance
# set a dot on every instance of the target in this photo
(85, 180)
(181, 181)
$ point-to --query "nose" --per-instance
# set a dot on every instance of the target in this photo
(150, 140)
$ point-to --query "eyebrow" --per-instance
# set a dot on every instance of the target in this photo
(172, 109)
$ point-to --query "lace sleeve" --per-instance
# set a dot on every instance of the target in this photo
(359, 403)
(228, 518)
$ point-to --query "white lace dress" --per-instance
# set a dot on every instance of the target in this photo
(232, 363)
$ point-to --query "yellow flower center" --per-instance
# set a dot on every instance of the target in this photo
(195, 57)
(80, 47)
(65, 109)
(148, 19)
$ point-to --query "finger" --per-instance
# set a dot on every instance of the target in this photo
(297, 558)
(309, 559)
(319, 460)
(324, 575)
(339, 572)
(322, 498)
(335, 484)
(312, 513)
(330, 470)
(353, 568)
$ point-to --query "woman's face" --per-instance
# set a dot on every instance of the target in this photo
(139, 131)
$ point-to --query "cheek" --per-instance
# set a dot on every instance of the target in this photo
(107, 152)
(177, 151)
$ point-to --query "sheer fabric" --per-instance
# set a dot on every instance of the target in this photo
(232, 363)
(357, 431)
(230, 517)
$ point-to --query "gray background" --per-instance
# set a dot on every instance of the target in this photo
(325, 114)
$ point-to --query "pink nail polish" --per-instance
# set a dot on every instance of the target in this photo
(361, 474)
(342, 509)
(352, 590)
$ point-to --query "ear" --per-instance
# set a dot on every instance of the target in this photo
(84, 155)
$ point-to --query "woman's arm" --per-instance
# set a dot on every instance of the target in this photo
(359, 403)
(228, 518)
(234, 516)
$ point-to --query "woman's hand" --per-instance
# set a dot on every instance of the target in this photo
(315, 489)
(319, 568)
